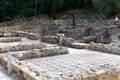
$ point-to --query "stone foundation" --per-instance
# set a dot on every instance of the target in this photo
(31, 72)
(28, 35)
(88, 39)
(36, 53)
(109, 48)
(79, 45)
(55, 40)
(21, 47)
(10, 39)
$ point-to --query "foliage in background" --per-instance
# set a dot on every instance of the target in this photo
(10, 8)
(108, 7)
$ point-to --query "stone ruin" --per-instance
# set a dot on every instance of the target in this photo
(87, 52)
(103, 33)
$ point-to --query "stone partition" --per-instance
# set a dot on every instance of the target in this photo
(109, 48)
(78, 45)
(55, 40)
(36, 53)
(3, 60)
(28, 35)
(10, 39)
(88, 39)
(22, 47)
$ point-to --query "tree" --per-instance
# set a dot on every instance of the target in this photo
(107, 6)
(10, 8)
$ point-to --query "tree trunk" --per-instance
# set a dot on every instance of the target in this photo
(73, 17)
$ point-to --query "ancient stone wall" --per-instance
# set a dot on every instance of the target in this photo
(31, 72)
(28, 35)
(78, 45)
(36, 53)
(10, 39)
(69, 32)
(55, 40)
(109, 48)
(22, 47)
(102, 31)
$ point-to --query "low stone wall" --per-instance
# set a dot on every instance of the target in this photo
(10, 39)
(105, 74)
(50, 39)
(79, 45)
(26, 70)
(3, 60)
(109, 48)
(22, 47)
(30, 71)
(55, 40)
(7, 34)
(31, 36)
(88, 39)
(36, 53)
